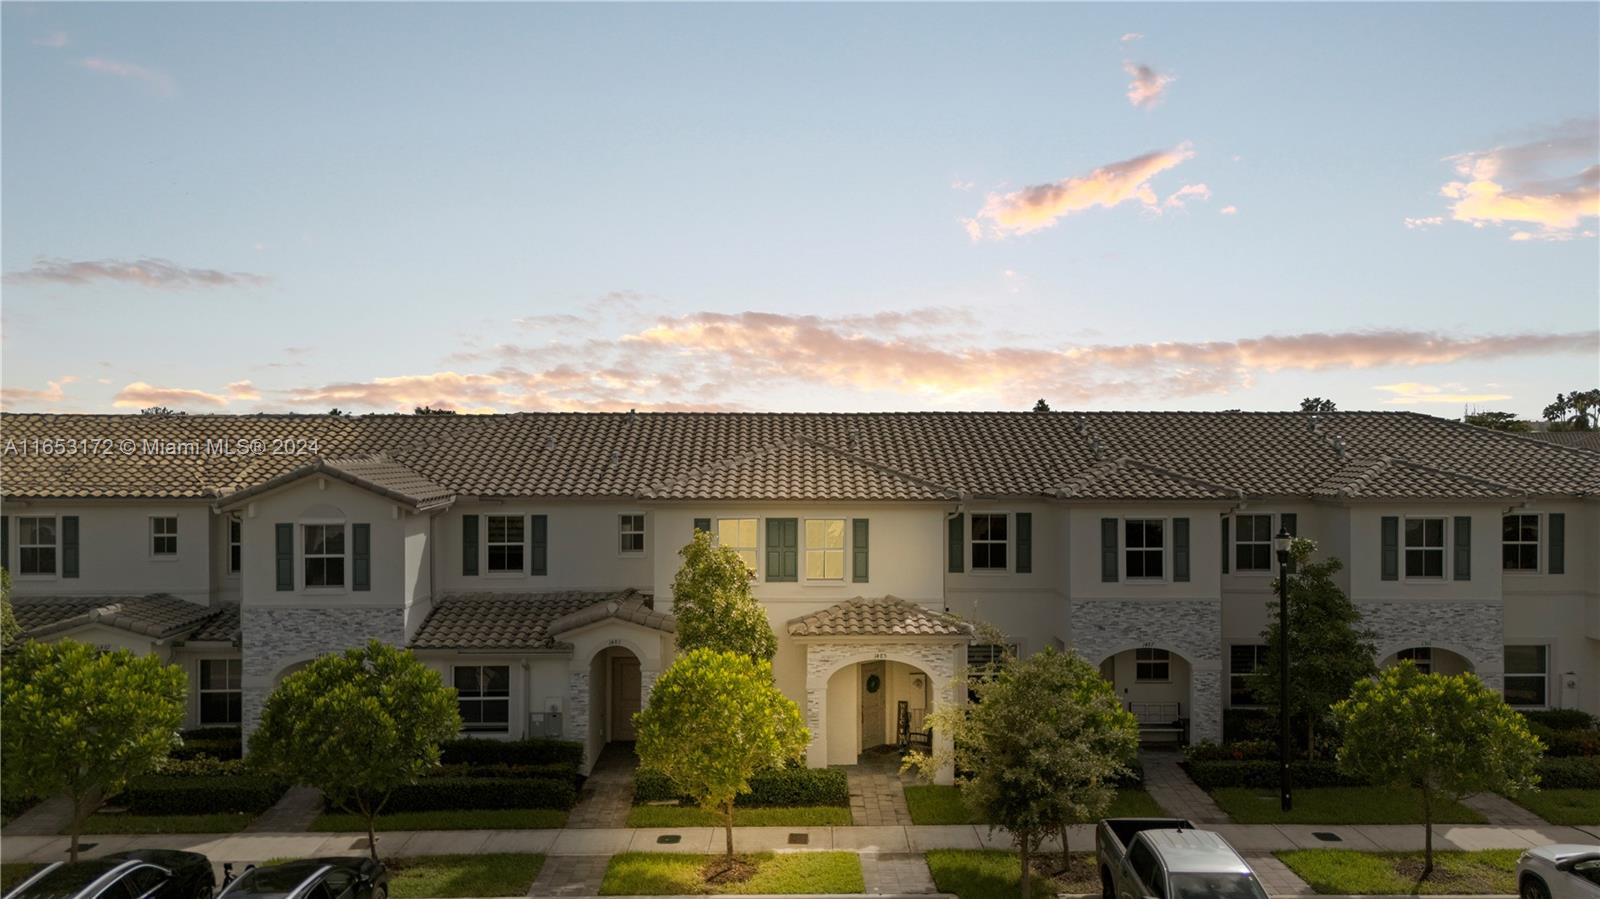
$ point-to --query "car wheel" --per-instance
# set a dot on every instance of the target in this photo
(1534, 888)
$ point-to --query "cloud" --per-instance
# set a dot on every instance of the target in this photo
(53, 395)
(1419, 224)
(1228, 210)
(959, 184)
(1182, 195)
(243, 390)
(139, 395)
(1409, 392)
(158, 81)
(1552, 182)
(1147, 86)
(54, 40)
(1040, 206)
(159, 273)
(1557, 236)
(1131, 36)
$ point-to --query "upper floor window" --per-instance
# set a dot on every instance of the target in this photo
(1420, 656)
(1425, 547)
(631, 533)
(825, 549)
(1144, 547)
(739, 535)
(220, 691)
(1152, 665)
(989, 541)
(1252, 546)
(164, 535)
(505, 542)
(483, 694)
(36, 545)
(1527, 675)
(324, 552)
(1244, 660)
(235, 543)
(1520, 543)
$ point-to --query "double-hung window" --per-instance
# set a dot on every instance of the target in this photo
(483, 694)
(1420, 656)
(1425, 547)
(220, 692)
(1252, 545)
(1519, 536)
(739, 535)
(1152, 666)
(989, 541)
(1144, 547)
(164, 535)
(631, 534)
(825, 549)
(1244, 659)
(324, 552)
(235, 544)
(505, 542)
(36, 545)
(1527, 680)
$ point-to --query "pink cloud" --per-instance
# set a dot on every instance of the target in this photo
(139, 395)
(52, 396)
(1552, 183)
(1147, 86)
(159, 273)
(1228, 210)
(158, 81)
(55, 40)
(1183, 194)
(1042, 205)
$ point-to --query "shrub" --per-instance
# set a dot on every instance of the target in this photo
(160, 794)
(1134, 777)
(1238, 751)
(433, 794)
(1263, 775)
(546, 771)
(201, 766)
(1247, 724)
(785, 786)
(210, 742)
(213, 733)
(1569, 773)
(1562, 719)
(478, 751)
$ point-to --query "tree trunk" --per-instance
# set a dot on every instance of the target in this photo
(370, 813)
(1026, 883)
(1427, 840)
(1066, 856)
(729, 818)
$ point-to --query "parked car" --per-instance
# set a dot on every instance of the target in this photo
(1169, 859)
(313, 878)
(135, 874)
(1561, 871)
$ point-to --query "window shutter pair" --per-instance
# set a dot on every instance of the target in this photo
(538, 541)
(1463, 547)
(783, 549)
(283, 555)
(1024, 542)
(958, 542)
(1558, 543)
(1180, 549)
(69, 546)
(1390, 549)
(858, 550)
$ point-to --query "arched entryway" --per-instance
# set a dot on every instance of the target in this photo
(616, 693)
(1156, 684)
(879, 704)
(1430, 660)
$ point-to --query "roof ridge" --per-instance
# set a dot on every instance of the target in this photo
(1370, 467)
(1495, 434)
(1423, 466)
(1076, 483)
(1180, 476)
(877, 466)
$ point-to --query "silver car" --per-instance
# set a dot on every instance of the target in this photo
(1561, 871)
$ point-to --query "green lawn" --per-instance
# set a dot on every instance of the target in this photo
(931, 804)
(462, 819)
(660, 874)
(1339, 805)
(1563, 806)
(992, 874)
(1345, 871)
(453, 876)
(13, 873)
(775, 816)
(224, 822)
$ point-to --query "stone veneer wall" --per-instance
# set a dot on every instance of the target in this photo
(940, 661)
(1474, 630)
(1191, 628)
(274, 638)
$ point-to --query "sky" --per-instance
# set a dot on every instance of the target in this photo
(505, 207)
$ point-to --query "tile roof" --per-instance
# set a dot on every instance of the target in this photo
(1588, 440)
(223, 627)
(1388, 478)
(887, 617)
(919, 456)
(629, 606)
(375, 472)
(156, 615)
(504, 620)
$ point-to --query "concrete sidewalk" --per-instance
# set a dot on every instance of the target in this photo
(1249, 839)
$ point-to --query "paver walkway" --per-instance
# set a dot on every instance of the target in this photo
(1276, 878)
(1171, 788)
(570, 875)
(895, 873)
(1497, 809)
(608, 792)
(48, 817)
(291, 814)
(877, 789)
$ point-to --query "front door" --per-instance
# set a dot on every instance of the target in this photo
(625, 694)
(873, 688)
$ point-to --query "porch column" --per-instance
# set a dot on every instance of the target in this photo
(816, 716)
(578, 712)
(945, 695)
(1205, 702)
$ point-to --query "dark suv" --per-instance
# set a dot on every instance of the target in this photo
(313, 878)
(136, 874)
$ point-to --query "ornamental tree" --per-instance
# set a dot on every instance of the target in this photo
(715, 718)
(1445, 736)
(82, 723)
(713, 605)
(1040, 748)
(357, 724)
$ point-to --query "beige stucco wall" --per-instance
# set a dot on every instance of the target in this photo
(583, 549)
(114, 555)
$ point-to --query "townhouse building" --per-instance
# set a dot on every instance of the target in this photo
(529, 558)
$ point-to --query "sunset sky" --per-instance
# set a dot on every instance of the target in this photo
(292, 207)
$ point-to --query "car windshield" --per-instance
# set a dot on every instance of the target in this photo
(271, 882)
(1225, 886)
(66, 880)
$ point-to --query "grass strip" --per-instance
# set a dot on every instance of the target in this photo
(661, 874)
(457, 819)
(1339, 805)
(773, 816)
(1347, 871)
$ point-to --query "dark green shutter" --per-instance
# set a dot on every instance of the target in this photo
(956, 530)
(1024, 542)
(1180, 549)
(283, 556)
(539, 545)
(1391, 548)
(361, 557)
(1558, 543)
(1290, 522)
(783, 549)
(69, 546)
(858, 550)
(1225, 522)
(1463, 541)
(1108, 550)
(5, 542)
(469, 545)
(702, 524)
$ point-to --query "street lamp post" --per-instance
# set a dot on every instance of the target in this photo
(1281, 543)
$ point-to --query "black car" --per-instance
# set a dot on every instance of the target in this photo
(313, 878)
(135, 874)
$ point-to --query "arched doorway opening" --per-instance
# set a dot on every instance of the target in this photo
(877, 708)
(1430, 660)
(616, 693)
(1156, 685)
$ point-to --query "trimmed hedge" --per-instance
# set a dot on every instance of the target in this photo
(785, 786)
(210, 742)
(1562, 719)
(433, 794)
(1569, 774)
(479, 752)
(547, 771)
(160, 794)
(1263, 775)
(1238, 751)
(1247, 724)
(201, 766)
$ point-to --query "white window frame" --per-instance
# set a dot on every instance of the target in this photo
(1258, 656)
(1545, 675)
(54, 546)
(1156, 656)
(306, 556)
(1123, 549)
(235, 532)
(1420, 656)
(489, 542)
(973, 542)
(754, 548)
(483, 699)
(624, 531)
(201, 690)
(154, 536)
(1443, 548)
(1272, 521)
(842, 550)
(1537, 543)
